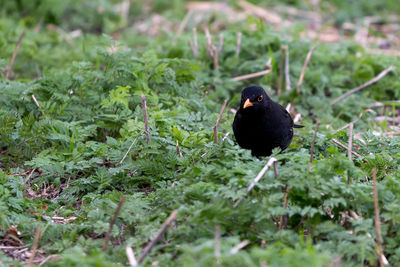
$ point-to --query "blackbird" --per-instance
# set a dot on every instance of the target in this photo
(261, 124)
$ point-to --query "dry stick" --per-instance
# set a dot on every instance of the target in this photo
(112, 222)
(275, 169)
(251, 75)
(215, 57)
(209, 42)
(285, 203)
(268, 63)
(178, 151)
(37, 103)
(215, 128)
(345, 147)
(350, 146)
(288, 107)
(280, 79)
(184, 23)
(211, 49)
(263, 242)
(146, 122)
(377, 219)
(220, 43)
(374, 80)
(131, 256)
(313, 142)
(164, 227)
(217, 242)
(225, 136)
(191, 46)
(239, 246)
(194, 46)
(297, 117)
(238, 42)
(35, 245)
(350, 149)
(15, 54)
(10, 247)
(356, 120)
(303, 71)
(287, 77)
(195, 43)
(257, 179)
(129, 149)
(30, 175)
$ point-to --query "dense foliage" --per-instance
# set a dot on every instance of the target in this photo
(64, 157)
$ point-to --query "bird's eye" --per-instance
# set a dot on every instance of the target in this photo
(260, 98)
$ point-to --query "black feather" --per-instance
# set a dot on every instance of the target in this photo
(263, 124)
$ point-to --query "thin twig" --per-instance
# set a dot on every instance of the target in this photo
(374, 80)
(239, 246)
(215, 57)
(209, 42)
(146, 122)
(184, 23)
(349, 150)
(30, 175)
(220, 43)
(356, 120)
(10, 247)
(37, 104)
(215, 128)
(288, 107)
(238, 43)
(225, 136)
(131, 256)
(297, 117)
(350, 145)
(251, 75)
(283, 218)
(164, 227)
(345, 147)
(35, 246)
(281, 71)
(211, 49)
(268, 64)
(191, 46)
(195, 43)
(129, 149)
(15, 54)
(275, 169)
(178, 151)
(303, 71)
(38, 72)
(287, 77)
(112, 222)
(257, 179)
(217, 242)
(377, 219)
(313, 142)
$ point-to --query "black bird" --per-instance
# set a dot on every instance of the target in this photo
(261, 124)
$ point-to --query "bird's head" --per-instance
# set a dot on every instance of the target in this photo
(254, 98)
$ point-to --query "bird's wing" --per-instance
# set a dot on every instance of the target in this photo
(286, 116)
(289, 118)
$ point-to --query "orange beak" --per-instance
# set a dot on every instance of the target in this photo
(248, 103)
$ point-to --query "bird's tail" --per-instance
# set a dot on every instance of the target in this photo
(297, 126)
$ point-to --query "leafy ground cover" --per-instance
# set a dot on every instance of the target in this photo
(73, 139)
